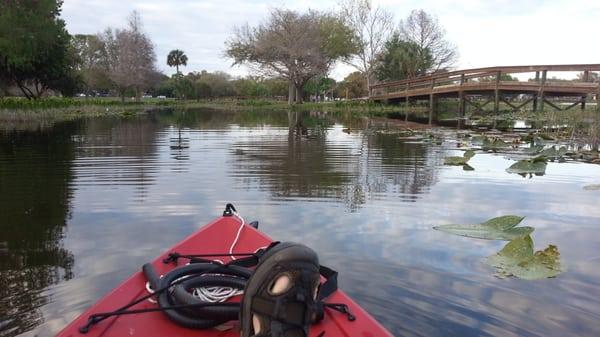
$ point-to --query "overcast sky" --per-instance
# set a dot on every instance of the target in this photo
(486, 32)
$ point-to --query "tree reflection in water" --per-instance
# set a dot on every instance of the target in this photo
(317, 160)
(35, 176)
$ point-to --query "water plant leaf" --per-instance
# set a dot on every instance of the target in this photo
(459, 161)
(593, 187)
(500, 228)
(495, 144)
(535, 165)
(467, 167)
(534, 149)
(518, 259)
(553, 152)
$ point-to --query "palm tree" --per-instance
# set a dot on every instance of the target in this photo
(176, 58)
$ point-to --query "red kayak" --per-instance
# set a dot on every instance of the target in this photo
(216, 236)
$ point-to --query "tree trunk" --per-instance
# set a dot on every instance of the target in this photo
(368, 76)
(299, 95)
(26, 91)
(138, 94)
(291, 93)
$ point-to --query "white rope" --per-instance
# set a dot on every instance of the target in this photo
(216, 294)
(237, 236)
(222, 294)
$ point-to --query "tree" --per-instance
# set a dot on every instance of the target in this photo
(34, 47)
(371, 26)
(92, 62)
(131, 57)
(203, 90)
(320, 86)
(219, 83)
(276, 86)
(291, 45)
(426, 32)
(353, 86)
(402, 59)
(184, 86)
(177, 58)
(250, 86)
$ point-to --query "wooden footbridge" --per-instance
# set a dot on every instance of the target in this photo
(482, 86)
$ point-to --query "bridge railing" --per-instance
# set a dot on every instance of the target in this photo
(490, 74)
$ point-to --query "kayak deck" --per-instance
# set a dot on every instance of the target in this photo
(215, 237)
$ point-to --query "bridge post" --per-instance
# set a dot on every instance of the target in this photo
(535, 96)
(461, 102)
(586, 78)
(497, 93)
(407, 102)
(598, 96)
(431, 102)
(542, 85)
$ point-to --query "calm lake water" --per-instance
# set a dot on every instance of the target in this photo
(85, 203)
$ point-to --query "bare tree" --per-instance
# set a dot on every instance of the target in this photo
(131, 57)
(291, 45)
(372, 26)
(425, 30)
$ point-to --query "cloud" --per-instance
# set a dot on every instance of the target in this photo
(487, 33)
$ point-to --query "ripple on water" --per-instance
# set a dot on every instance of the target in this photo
(85, 203)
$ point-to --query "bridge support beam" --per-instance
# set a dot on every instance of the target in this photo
(598, 96)
(497, 93)
(406, 108)
(461, 102)
(432, 108)
(542, 85)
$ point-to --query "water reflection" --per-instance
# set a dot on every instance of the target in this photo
(319, 159)
(127, 189)
(35, 198)
(116, 152)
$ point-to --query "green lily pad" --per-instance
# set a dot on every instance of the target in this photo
(495, 144)
(518, 259)
(536, 165)
(459, 161)
(500, 228)
(467, 167)
(534, 149)
(552, 152)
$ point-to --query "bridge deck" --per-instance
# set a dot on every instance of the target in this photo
(488, 82)
(559, 89)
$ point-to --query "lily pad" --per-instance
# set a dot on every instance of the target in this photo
(459, 161)
(500, 228)
(467, 167)
(495, 144)
(536, 165)
(518, 259)
(552, 152)
(534, 149)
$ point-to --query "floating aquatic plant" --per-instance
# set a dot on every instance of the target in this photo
(500, 228)
(455, 160)
(518, 259)
(553, 152)
(534, 149)
(535, 165)
(494, 144)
